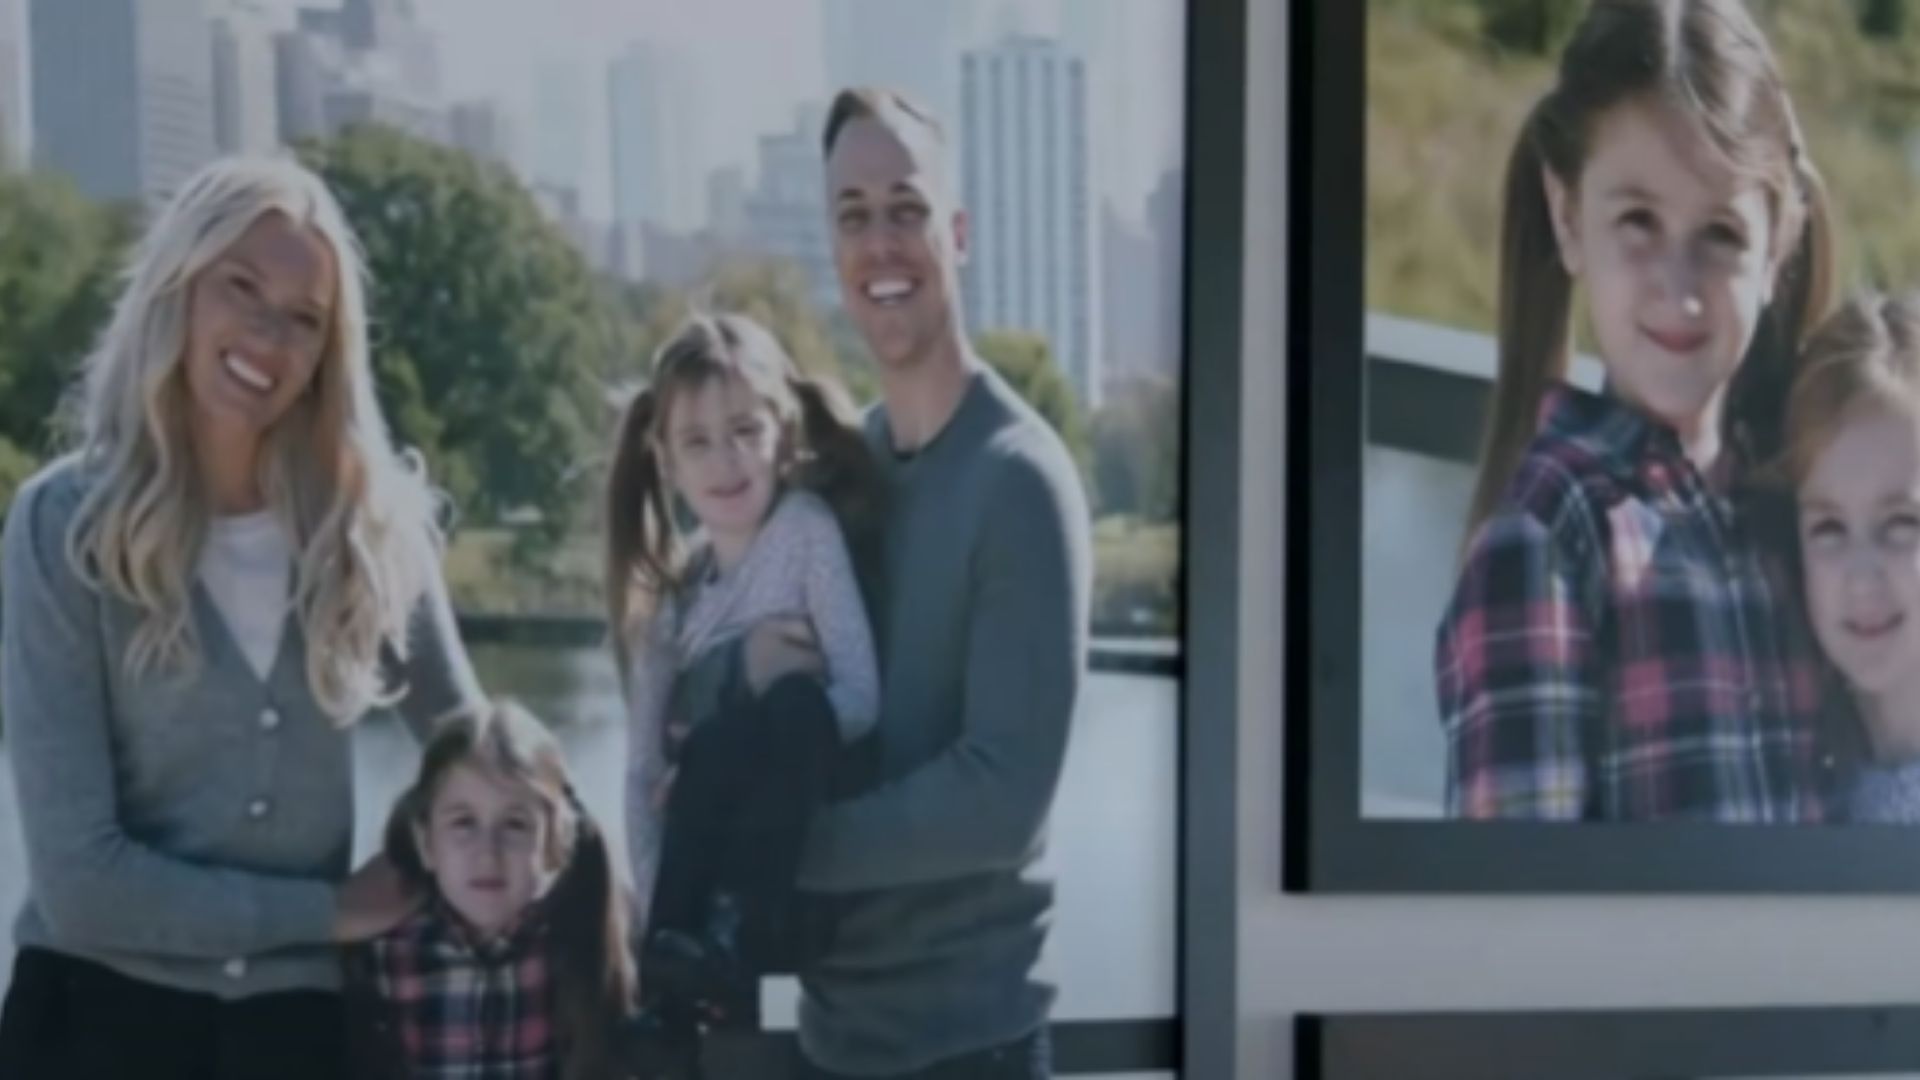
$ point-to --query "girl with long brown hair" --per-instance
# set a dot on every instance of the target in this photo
(1853, 460)
(735, 485)
(518, 964)
(1620, 644)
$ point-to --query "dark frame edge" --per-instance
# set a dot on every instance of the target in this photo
(1216, 112)
(1612, 1044)
(1297, 698)
(1325, 414)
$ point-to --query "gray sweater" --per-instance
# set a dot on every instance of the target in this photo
(187, 832)
(983, 635)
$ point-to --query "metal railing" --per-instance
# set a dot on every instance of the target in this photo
(1428, 385)
(1157, 657)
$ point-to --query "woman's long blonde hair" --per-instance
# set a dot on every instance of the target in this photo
(359, 513)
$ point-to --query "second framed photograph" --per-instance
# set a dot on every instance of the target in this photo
(1604, 463)
(1642, 1044)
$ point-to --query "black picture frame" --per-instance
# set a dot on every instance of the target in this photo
(1198, 1040)
(1328, 845)
(1648, 1044)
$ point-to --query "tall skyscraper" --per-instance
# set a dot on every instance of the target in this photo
(1166, 226)
(14, 114)
(246, 93)
(787, 210)
(1026, 186)
(651, 107)
(907, 45)
(1128, 278)
(369, 62)
(364, 102)
(556, 140)
(393, 28)
(123, 94)
(481, 129)
(302, 61)
(727, 202)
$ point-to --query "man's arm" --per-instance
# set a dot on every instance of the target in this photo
(982, 803)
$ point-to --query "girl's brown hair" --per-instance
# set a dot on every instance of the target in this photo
(1704, 60)
(593, 974)
(1864, 356)
(822, 449)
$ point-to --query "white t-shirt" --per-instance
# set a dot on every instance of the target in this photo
(245, 566)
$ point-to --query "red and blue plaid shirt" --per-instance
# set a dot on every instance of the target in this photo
(449, 1006)
(1621, 646)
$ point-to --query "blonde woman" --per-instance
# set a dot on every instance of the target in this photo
(231, 568)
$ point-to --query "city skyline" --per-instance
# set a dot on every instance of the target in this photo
(503, 53)
(749, 85)
(656, 160)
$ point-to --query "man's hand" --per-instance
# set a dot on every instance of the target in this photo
(781, 646)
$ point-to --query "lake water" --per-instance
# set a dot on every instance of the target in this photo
(1113, 948)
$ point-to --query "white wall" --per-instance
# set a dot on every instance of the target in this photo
(1306, 953)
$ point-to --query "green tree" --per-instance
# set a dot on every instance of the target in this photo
(1883, 19)
(769, 291)
(1136, 451)
(491, 338)
(1026, 362)
(59, 256)
(1530, 27)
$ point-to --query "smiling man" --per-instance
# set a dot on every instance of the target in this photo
(981, 614)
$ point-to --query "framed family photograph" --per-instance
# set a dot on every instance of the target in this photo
(1603, 444)
(613, 538)
(1678, 1044)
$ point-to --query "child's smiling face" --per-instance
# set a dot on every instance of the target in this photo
(1860, 537)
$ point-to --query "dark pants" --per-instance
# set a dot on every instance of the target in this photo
(748, 780)
(76, 1020)
(1030, 1058)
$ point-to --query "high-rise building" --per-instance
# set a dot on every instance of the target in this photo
(368, 62)
(1026, 186)
(1128, 278)
(365, 102)
(727, 202)
(652, 107)
(303, 61)
(481, 129)
(1166, 228)
(123, 94)
(246, 93)
(393, 28)
(14, 112)
(557, 138)
(787, 211)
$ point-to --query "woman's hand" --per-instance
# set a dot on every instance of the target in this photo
(778, 647)
(373, 901)
(662, 789)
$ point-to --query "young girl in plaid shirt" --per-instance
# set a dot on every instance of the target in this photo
(1853, 457)
(1620, 644)
(516, 967)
